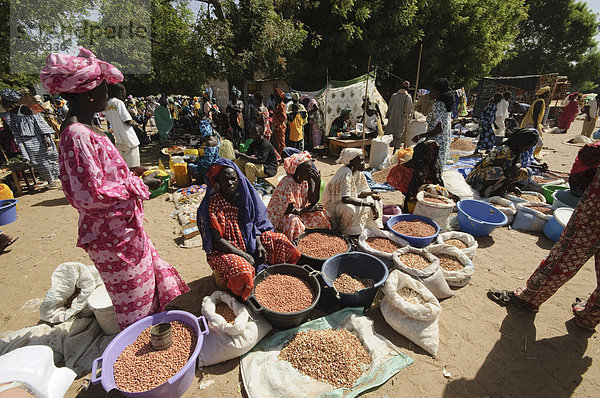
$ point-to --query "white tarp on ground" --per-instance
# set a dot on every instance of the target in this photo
(346, 94)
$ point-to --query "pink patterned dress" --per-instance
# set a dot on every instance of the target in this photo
(98, 183)
(291, 225)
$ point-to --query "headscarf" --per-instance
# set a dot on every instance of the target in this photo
(10, 95)
(279, 93)
(345, 111)
(419, 165)
(348, 155)
(295, 97)
(68, 74)
(312, 104)
(522, 137)
(252, 217)
(205, 128)
(291, 163)
(543, 90)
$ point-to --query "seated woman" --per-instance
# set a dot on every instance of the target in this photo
(209, 150)
(294, 205)
(349, 200)
(341, 123)
(423, 168)
(501, 171)
(236, 232)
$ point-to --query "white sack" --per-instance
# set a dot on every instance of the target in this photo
(225, 340)
(529, 219)
(432, 276)
(416, 322)
(464, 237)
(363, 245)
(506, 206)
(456, 184)
(65, 279)
(438, 212)
(455, 278)
(379, 151)
(518, 199)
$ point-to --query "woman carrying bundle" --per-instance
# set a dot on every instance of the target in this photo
(349, 200)
(236, 232)
(294, 205)
(501, 171)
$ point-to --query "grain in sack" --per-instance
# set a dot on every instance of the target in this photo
(412, 310)
(363, 244)
(430, 275)
(469, 242)
(529, 219)
(526, 196)
(226, 340)
(437, 208)
(458, 276)
(505, 206)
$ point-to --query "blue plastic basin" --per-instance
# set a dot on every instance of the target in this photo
(479, 218)
(8, 211)
(356, 264)
(557, 223)
(413, 240)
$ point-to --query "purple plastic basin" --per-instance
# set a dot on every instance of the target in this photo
(172, 388)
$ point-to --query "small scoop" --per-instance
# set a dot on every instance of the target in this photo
(160, 336)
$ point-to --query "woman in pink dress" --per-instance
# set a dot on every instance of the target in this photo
(107, 195)
(294, 205)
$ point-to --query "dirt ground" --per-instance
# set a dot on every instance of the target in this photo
(489, 351)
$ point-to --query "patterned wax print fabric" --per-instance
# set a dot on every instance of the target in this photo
(487, 138)
(289, 191)
(489, 173)
(235, 272)
(400, 177)
(579, 241)
(68, 74)
(350, 219)
(34, 138)
(584, 168)
(108, 197)
(279, 126)
(437, 115)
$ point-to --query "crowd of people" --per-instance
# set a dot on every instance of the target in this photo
(99, 171)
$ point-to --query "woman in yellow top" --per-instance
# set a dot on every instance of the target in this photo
(535, 115)
(297, 118)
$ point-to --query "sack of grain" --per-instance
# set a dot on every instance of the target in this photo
(526, 196)
(530, 219)
(379, 151)
(412, 310)
(469, 242)
(504, 205)
(436, 207)
(386, 256)
(227, 340)
(459, 270)
(424, 267)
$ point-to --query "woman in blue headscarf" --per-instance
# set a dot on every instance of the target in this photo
(209, 151)
(236, 231)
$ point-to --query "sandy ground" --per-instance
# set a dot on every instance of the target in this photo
(490, 352)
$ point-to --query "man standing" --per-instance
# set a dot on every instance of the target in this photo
(502, 113)
(399, 111)
(590, 110)
(122, 124)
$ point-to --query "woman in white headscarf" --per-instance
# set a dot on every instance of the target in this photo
(348, 198)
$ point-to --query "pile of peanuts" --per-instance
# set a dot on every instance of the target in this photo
(140, 368)
(456, 243)
(433, 199)
(336, 357)
(383, 244)
(416, 228)
(449, 263)
(415, 260)
(411, 296)
(284, 293)
(381, 176)
(346, 283)
(320, 245)
(226, 312)
(530, 198)
(542, 209)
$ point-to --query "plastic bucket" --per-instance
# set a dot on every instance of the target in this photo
(479, 218)
(281, 320)
(177, 385)
(549, 189)
(315, 262)
(102, 306)
(412, 240)
(8, 211)
(564, 199)
(5, 192)
(356, 264)
(556, 224)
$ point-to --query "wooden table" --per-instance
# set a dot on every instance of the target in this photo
(336, 144)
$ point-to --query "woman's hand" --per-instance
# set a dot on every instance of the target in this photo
(416, 138)
(364, 194)
(261, 253)
(313, 208)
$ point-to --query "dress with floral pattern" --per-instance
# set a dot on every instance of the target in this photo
(437, 115)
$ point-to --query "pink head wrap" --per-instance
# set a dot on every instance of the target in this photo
(68, 74)
(291, 163)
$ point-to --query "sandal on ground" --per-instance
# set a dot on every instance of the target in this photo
(577, 301)
(506, 298)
